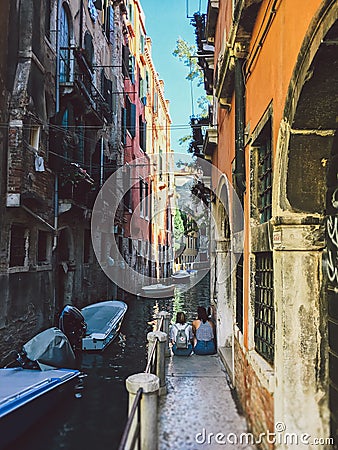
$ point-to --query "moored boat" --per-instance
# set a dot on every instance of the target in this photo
(26, 395)
(103, 322)
(182, 276)
(158, 290)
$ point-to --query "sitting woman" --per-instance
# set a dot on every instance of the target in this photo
(181, 336)
(204, 332)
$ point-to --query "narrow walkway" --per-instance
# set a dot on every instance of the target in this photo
(198, 403)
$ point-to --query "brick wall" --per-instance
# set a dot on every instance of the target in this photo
(256, 401)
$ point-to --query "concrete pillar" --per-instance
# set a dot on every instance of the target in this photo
(161, 338)
(150, 384)
(165, 327)
(300, 331)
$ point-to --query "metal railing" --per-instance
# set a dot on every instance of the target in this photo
(142, 387)
(135, 409)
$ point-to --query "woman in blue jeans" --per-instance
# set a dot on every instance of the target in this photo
(204, 333)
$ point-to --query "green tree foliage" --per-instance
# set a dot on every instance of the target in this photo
(178, 229)
(185, 52)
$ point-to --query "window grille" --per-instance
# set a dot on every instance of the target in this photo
(264, 307)
(239, 293)
(265, 181)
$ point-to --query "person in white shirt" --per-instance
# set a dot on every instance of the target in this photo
(181, 336)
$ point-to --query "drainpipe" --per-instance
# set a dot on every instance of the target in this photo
(239, 172)
(102, 163)
(56, 211)
(57, 109)
(81, 25)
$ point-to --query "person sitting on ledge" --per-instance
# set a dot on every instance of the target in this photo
(204, 333)
(181, 336)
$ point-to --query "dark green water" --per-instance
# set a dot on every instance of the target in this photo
(95, 421)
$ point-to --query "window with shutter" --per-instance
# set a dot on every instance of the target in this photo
(124, 126)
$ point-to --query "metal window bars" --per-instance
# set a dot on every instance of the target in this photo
(265, 182)
(264, 306)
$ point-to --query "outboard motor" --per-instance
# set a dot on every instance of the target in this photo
(49, 349)
(73, 325)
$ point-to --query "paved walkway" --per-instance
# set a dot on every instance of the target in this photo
(199, 402)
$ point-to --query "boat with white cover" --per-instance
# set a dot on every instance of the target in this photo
(182, 276)
(103, 322)
(158, 290)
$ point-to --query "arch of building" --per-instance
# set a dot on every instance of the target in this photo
(305, 355)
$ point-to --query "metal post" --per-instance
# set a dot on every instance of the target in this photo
(165, 327)
(150, 384)
(161, 338)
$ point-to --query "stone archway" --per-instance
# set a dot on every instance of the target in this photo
(221, 268)
(306, 391)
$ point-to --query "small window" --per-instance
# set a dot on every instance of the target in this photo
(18, 246)
(108, 26)
(42, 255)
(34, 136)
(131, 117)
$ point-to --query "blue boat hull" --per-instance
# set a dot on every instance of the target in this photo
(28, 395)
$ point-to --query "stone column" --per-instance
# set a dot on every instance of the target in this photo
(166, 320)
(150, 384)
(161, 339)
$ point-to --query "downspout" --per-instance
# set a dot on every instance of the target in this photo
(56, 179)
(57, 109)
(81, 24)
(239, 172)
(102, 163)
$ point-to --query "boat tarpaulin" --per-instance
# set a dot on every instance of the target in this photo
(50, 349)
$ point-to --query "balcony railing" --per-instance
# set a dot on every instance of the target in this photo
(75, 72)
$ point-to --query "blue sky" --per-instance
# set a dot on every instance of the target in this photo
(166, 21)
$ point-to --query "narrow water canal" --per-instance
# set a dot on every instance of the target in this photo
(95, 420)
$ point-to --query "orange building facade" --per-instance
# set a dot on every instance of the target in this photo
(275, 92)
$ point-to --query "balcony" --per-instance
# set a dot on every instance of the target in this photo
(76, 187)
(236, 47)
(210, 141)
(77, 81)
(211, 21)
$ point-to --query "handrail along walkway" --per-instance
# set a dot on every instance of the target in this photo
(139, 432)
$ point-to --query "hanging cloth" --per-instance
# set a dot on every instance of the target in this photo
(39, 164)
(92, 10)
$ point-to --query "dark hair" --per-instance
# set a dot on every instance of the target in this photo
(180, 318)
(202, 314)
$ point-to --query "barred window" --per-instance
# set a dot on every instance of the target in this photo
(264, 307)
(265, 175)
(239, 293)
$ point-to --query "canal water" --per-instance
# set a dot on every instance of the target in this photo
(94, 419)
